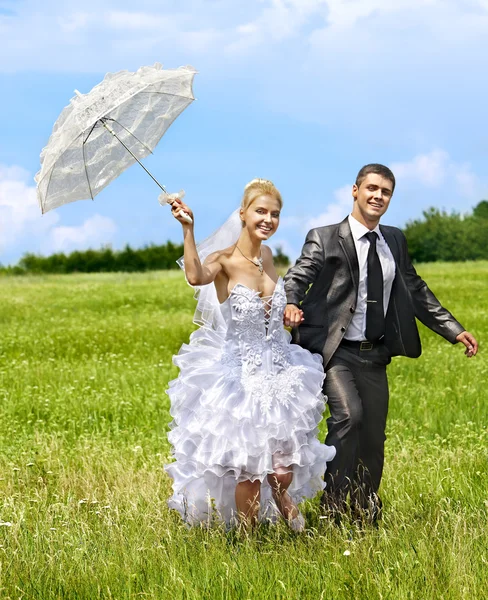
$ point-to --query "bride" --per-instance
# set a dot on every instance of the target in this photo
(247, 403)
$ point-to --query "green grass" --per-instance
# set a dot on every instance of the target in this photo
(84, 363)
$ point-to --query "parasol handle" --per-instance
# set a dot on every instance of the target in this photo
(166, 198)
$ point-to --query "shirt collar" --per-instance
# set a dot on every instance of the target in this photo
(359, 230)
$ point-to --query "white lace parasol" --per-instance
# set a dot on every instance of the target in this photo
(102, 133)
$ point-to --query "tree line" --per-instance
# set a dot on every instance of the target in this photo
(149, 258)
(450, 237)
(437, 236)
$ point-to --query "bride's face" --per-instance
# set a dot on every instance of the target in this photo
(262, 216)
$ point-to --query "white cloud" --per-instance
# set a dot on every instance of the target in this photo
(436, 169)
(435, 16)
(74, 22)
(279, 20)
(347, 14)
(20, 214)
(334, 212)
(21, 222)
(94, 232)
(137, 20)
(102, 37)
(383, 68)
(428, 169)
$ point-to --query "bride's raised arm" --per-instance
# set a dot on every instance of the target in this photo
(196, 273)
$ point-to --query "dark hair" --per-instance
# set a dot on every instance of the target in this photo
(377, 169)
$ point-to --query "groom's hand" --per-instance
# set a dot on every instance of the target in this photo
(293, 316)
(470, 342)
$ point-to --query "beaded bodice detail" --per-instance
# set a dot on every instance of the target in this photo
(256, 349)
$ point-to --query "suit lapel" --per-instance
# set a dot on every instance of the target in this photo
(347, 244)
(392, 243)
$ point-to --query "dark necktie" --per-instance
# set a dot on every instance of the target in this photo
(375, 315)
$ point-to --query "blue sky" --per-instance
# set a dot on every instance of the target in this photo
(303, 92)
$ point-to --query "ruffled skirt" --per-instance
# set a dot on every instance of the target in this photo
(229, 427)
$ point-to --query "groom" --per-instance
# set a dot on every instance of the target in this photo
(353, 296)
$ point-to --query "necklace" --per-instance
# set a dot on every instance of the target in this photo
(257, 263)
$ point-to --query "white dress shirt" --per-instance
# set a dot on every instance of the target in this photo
(357, 328)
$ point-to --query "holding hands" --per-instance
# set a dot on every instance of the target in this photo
(293, 316)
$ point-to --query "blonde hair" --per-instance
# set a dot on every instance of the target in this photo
(258, 187)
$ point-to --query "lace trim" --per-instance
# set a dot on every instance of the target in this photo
(267, 389)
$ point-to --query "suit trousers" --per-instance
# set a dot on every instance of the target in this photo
(357, 389)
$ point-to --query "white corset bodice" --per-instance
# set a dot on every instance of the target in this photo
(257, 347)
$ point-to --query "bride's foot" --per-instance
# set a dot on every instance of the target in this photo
(297, 524)
(279, 483)
(285, 505)
(290, 512)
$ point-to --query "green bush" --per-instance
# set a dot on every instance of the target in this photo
(442, 236)
(280, 259)
(105, 260)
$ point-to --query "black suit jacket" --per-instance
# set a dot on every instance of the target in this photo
(325, 280)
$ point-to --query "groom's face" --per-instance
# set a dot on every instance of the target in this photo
(372, 197)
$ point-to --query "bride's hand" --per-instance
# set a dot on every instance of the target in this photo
(293, 316)
(177, 208)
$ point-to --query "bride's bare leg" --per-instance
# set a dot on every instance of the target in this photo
(247, 501)
(280, 481)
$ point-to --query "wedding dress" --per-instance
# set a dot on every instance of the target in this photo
(246, 403)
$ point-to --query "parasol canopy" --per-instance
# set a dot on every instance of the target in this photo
(100, 134)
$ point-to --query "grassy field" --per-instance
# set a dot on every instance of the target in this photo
(84, 363)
